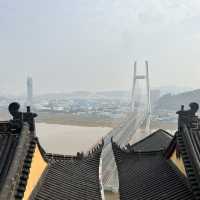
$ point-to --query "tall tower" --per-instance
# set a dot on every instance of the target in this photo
(148, 98)
(29, 91)
(145, 78)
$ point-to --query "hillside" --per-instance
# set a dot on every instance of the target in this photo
(173, 102)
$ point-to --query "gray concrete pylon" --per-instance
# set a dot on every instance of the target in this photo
(148, 109)
(143, 77)
(148, 89)
(133, 88)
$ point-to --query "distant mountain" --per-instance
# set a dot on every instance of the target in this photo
(86, 94)
(174, 102)
(80, 93)
(114, 94)
(173, 89)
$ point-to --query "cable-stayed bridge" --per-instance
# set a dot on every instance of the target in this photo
(139, 114)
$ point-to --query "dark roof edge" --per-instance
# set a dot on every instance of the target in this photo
(96, 149)
(4, 126)
(126, 150)
(13, 177)
(189, 159)
(152, 134)
(172, 146)
(25, 169)
(80, 155)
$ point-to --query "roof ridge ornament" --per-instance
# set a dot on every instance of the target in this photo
(96, 149)
(19, 117)
(188, 117)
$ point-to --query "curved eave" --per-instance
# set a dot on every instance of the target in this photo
(94, 152)
(8, 146)
(186, 144)
(25, 170)
(171, 148)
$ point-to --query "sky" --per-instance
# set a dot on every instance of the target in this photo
(91, 45)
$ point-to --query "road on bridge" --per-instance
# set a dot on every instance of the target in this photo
(122, 135)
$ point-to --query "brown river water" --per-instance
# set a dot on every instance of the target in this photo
(66, 139)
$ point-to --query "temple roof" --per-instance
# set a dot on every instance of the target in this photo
(148, 175)
(26, 165)
(65, 177)
(146, 169)
(71, 177)
(61, 176)
(156, 168)
(188, 141)
(13, 148)
(158, 140)
(8, 143)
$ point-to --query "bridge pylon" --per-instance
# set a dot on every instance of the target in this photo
(144, 77)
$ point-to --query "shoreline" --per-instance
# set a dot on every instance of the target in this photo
(75, 120)
(81, 124)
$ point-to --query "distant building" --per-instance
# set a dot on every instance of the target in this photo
(29, 91)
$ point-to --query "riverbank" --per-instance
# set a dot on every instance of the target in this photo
(70, 119)
(76, 120)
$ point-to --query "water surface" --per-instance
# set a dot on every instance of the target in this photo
(66, 139)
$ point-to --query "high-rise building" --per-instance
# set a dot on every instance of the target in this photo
(29, 91)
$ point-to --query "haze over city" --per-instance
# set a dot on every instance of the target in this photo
(91, 45)
(99, 99)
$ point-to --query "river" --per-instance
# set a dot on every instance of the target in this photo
(68, 140)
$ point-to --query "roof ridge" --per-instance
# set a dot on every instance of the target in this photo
(150, 135)
(128, 150)
(25, 170)
(188, 163)
(170, 149)
(79, 156)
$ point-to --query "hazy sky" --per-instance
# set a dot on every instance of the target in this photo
(91, 44)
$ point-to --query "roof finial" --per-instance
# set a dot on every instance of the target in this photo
(20, 117)
(187, 116)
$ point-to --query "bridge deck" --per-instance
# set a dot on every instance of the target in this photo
(122, 135)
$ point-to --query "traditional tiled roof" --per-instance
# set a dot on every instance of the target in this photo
(66, 177)
(71, 177)
(158, 140)
(24, 175)
(8, 143)
(62, 176)
(4, 127)
(148, 175)
(13, 147)
(188, 142)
